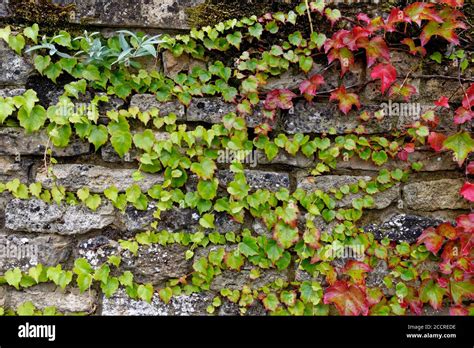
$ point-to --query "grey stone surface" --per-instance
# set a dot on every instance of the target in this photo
(183, 305)
(320, 118)
(375, 278)
(26, 250)
(236, 280)
(96, 178)
(48, 295)
(14, 70)
(167, 14)
(11, 91)
(435, 195)
(3, 8)
(402, 227)
(15, 141)
(145, 102)
(157, 263)
(257, 179)
(11, 169)
(286, 159)
(327, 182)
(37, 216)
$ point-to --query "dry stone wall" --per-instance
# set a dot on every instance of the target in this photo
(60, 234)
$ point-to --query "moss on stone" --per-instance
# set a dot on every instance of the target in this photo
(40, 11)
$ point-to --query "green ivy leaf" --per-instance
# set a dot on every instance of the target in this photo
(13, 277)
(41, 63)
(207, 221)
(166, 294)
(17, 43)
(34, 120)
(32, 32)
(98, 136)
(110, 287)
(144, 140)
(461, 144)
(145, 292)
(52, 71)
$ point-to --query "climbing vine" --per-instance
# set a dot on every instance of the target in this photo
(249, 52)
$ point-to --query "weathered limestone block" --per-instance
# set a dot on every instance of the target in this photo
(11, 91)
(212, 110)
(174, 65)
(375, 278)
(157, 263)
(3, 8)
(14, 141)
(285, 158)
(433, 88)
(321, 117)
(327, 182)
(402, 227)
(11, 169)
(167, 14)
(435, 195)
(48, 295)
(145, 102)
(14, 70)
(96, 250)
(37, 216)
(96, 178)
(26, 251)
(183, 305)
(257, 179)
(236, 280)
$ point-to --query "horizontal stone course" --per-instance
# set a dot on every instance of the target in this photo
(14, 70)
(146, 102)
(258, 179)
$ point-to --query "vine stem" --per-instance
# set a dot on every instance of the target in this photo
(309, 16)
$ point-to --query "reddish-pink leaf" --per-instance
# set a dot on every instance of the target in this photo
(357, 38)
(279, 98)
(362, 17)
(452, 3)
(349, 299)
(375, 49)
(447, 230)
(344, 56)
(458, 311)
(419, 11)
(396, 16)
(468, 101)
(470, 168)
(310, 86)
(467, 191)
(386, 73)
(346, 100)
(406, 91)
(414, 50)
(356, 270)
(443, 102)
(432, 240)
(436, 141)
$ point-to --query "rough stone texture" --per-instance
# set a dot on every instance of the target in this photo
(11, 91)
(11, 169)
(48, 295)
(211, 110)
(156, 263)
(16, 142)
(183, 305)
(174, 65)
(320, 118)
(375, 278)
(328, 182)
(435, 195)
(96, 178)
(3, 8)
(14, 70)
(402, 227)
(236, 280)
(148, 101)
(37, 216)
(286, 159)
(25, 250)
(153, 13)
(257, 179)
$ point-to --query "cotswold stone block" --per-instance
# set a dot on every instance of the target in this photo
(148, 101)
(157, 263)
(435, 195)
(402, 227)
(3, 8)
(328, 182)
(183, 305)
(375, 278)
(10, 169)
(236, 280)
(14, 141)
(174, 65)
(37, 216)
(285, 158)
(212, 110)
(167, 14)
(320, 118)
(48, 295)
(11, 91)
(96, 178)
(258, 179)
(26, 251)
(14, 70)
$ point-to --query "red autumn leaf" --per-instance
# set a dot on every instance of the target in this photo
(279, 99)
(436, 141)
(386, 73)
(356, 269)
(362, 17)
(344, 56)
(414, 50)
(375, 49)
(458, 310)
(470, 168)
(443, 102)
(349, 299)
(447, 230)
(396, 16)
(468, 101)
(453, 3)
(462, 115)
(406, 91)
(422, 11)
(346, 100)
(432, 240)
(310, 86)
(446, 30)
(467, 191)
(356, 38)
